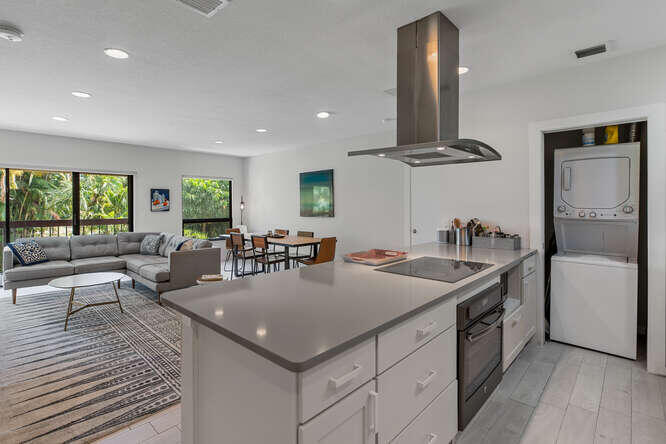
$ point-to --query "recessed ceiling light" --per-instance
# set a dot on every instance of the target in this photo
(471, 157)
(417, 161)
(261, 130)
(462, 70)
(116, 53)
(218, 142)
(59, 119)
(11, 33)
(323, 115)
(81, 94)
(441, 148)
(382, 155)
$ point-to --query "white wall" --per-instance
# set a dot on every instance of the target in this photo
(152, 168)
(369, 194)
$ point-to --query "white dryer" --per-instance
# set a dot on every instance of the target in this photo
(594, 276)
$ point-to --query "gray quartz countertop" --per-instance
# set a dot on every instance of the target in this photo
(302, 317)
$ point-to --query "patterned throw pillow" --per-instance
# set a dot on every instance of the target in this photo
(150, 245)
(28, 252)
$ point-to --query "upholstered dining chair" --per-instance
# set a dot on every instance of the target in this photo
(326, 252)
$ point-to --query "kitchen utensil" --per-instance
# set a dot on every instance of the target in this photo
(463, 236)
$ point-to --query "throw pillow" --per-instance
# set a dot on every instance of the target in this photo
(28, 252)
(187, 245)
(150, 245)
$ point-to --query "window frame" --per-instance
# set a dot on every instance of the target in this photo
(206, 220)
(76, 201)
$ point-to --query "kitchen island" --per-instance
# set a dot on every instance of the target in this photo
(337, 352)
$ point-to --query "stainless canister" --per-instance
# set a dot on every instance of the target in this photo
(443, 236)
(463, 236)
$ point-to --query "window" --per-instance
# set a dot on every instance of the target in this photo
(37, 203)
(206, 207)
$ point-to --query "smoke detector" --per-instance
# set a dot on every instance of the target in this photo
(10, 32)
(206, 8)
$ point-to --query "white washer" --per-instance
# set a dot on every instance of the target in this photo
(594, 303)
(594, 276)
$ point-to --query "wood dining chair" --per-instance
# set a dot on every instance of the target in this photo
(263, 256)
(296, 257)
(229, 246)
(326, 252)
(240, 252)
(280, 232)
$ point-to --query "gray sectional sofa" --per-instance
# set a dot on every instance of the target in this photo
(170, 270)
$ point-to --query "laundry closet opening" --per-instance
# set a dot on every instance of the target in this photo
(576, 219)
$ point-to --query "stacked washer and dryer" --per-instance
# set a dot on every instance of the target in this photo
(594, 275)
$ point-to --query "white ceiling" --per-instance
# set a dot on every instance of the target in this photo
(263, 63)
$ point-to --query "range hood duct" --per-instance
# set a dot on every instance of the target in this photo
(428, 59)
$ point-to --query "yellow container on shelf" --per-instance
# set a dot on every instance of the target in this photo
(611, 134)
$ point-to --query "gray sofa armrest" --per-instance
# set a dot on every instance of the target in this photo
(7, 259)
(185, 267)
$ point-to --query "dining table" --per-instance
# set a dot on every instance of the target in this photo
(283, 241)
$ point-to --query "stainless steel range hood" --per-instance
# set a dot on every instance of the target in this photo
(428, 99)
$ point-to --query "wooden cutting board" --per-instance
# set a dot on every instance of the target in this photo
(376, 256)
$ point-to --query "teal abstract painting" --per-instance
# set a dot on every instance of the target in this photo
(317, 194)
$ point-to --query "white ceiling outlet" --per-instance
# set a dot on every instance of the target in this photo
(207, 8)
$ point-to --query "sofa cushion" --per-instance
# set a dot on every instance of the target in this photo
(93, 246)
(174, 244)
(28, 252)
(135, 262)
(39, 271)
(129, 243)
(150, 245)
(96, 264)
(57, 248)
(198, 244)
(155, 273)
(166, 237)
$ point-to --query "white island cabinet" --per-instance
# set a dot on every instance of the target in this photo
(336, 353)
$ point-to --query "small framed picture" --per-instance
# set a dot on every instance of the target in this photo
(159, 199)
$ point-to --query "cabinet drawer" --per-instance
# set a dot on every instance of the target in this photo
(514, 333)
(529, 265)
(350, 421)
(330, 381)
(437, 424)
(401, 340)
(409, 386)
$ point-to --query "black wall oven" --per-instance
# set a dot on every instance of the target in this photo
(479, 323)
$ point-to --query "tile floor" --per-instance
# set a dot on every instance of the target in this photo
(559, 394)
(162, 428)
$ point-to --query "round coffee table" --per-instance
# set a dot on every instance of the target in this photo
(87, 280)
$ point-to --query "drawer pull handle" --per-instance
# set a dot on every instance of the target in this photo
(372, 413)
(432, 438)
(425, 331)
(422, 384)
(344, 379)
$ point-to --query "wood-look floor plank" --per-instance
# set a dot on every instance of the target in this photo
(647, 430)
(612, 428)
(510, 426)
(561, 384)
(511, 379)
(531, 387)
(616, 395)
(646, 396)
(578, 426)
(588, 388)
(544, 426)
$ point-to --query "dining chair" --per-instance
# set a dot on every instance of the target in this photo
(280, 232)
(326, 252)
(229, 246)
(263, 256)
(240, 252)
(296, 257)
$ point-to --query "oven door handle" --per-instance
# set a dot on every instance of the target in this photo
(488, 330)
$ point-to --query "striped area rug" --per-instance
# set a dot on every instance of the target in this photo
(106, 371)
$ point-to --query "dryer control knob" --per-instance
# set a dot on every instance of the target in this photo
(561, 209)
(593, 214)
(628, 209)
(581, 214)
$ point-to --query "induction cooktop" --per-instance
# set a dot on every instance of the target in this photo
(436, 268)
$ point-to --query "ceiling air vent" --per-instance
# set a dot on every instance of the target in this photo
(205, 7)
(592, 50)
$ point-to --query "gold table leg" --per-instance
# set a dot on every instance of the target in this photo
(117, 298)
(69, 307)
(70, 312)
